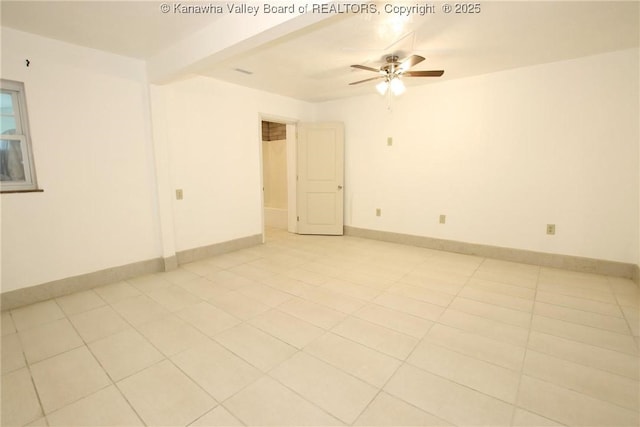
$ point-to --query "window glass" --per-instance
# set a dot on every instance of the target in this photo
(11, 165)
(7, 125)
(17, 168)
(7, 114)
(6, 103)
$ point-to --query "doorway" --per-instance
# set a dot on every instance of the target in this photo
(274, 174)
(302, 176)
(278, 171)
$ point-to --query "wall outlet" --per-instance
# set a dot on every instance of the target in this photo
(443, 219)
(551, 229)
(378, 212)
(179, 195)
(389, 141)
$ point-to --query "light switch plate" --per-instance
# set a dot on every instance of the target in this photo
(179, 194)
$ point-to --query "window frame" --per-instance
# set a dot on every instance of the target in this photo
(23, 134)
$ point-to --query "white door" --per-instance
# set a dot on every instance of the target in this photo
(320, 178)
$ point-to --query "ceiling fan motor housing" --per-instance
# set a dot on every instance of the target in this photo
(392, 64)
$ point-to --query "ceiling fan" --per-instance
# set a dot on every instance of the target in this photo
(391, 71)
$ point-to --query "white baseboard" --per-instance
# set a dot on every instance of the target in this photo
(567, 262)
(83, 282)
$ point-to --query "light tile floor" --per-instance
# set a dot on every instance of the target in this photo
(313, 330)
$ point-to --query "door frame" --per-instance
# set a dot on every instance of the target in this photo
(292, 165)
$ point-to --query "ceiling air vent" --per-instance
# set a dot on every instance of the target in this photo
(240, 70)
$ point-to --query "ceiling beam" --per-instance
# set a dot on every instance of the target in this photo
(227, 36)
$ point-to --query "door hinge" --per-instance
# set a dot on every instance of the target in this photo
(298, 219)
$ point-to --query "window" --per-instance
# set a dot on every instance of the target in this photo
(17, 172)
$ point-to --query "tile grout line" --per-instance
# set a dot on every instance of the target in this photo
(588, 396)
(348, 315)
(404, 362)
(31, 379)
(168, 358)
(548, 317)
(630, 329)
(583, 310)
(524, 355)
(585, 326)
(326, 331)
(542, 351)
(111, 379)
(268, 374)
(262, 372)
(587, 343)
(164, 356)
(85, 345)
(213, 340)
(263, 375)
(524, 358)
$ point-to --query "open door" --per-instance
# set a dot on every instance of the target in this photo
(320, 178)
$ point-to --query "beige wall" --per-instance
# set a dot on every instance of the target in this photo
(95, 159)
(274, 156)
(89, 119)
(502, 155)
(214, 156)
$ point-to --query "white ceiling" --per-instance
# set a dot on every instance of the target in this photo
(314, 63)
(131, 28)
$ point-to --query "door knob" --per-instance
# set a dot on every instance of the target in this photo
(339, 187)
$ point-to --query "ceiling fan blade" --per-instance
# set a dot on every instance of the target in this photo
(363, 67)
(367, 80)
(409, 62)
(433, 73)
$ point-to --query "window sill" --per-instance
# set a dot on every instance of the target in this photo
(37, 190)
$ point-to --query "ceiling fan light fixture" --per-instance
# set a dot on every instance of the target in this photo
(397, 87)
(382, 87)
(392, 73)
